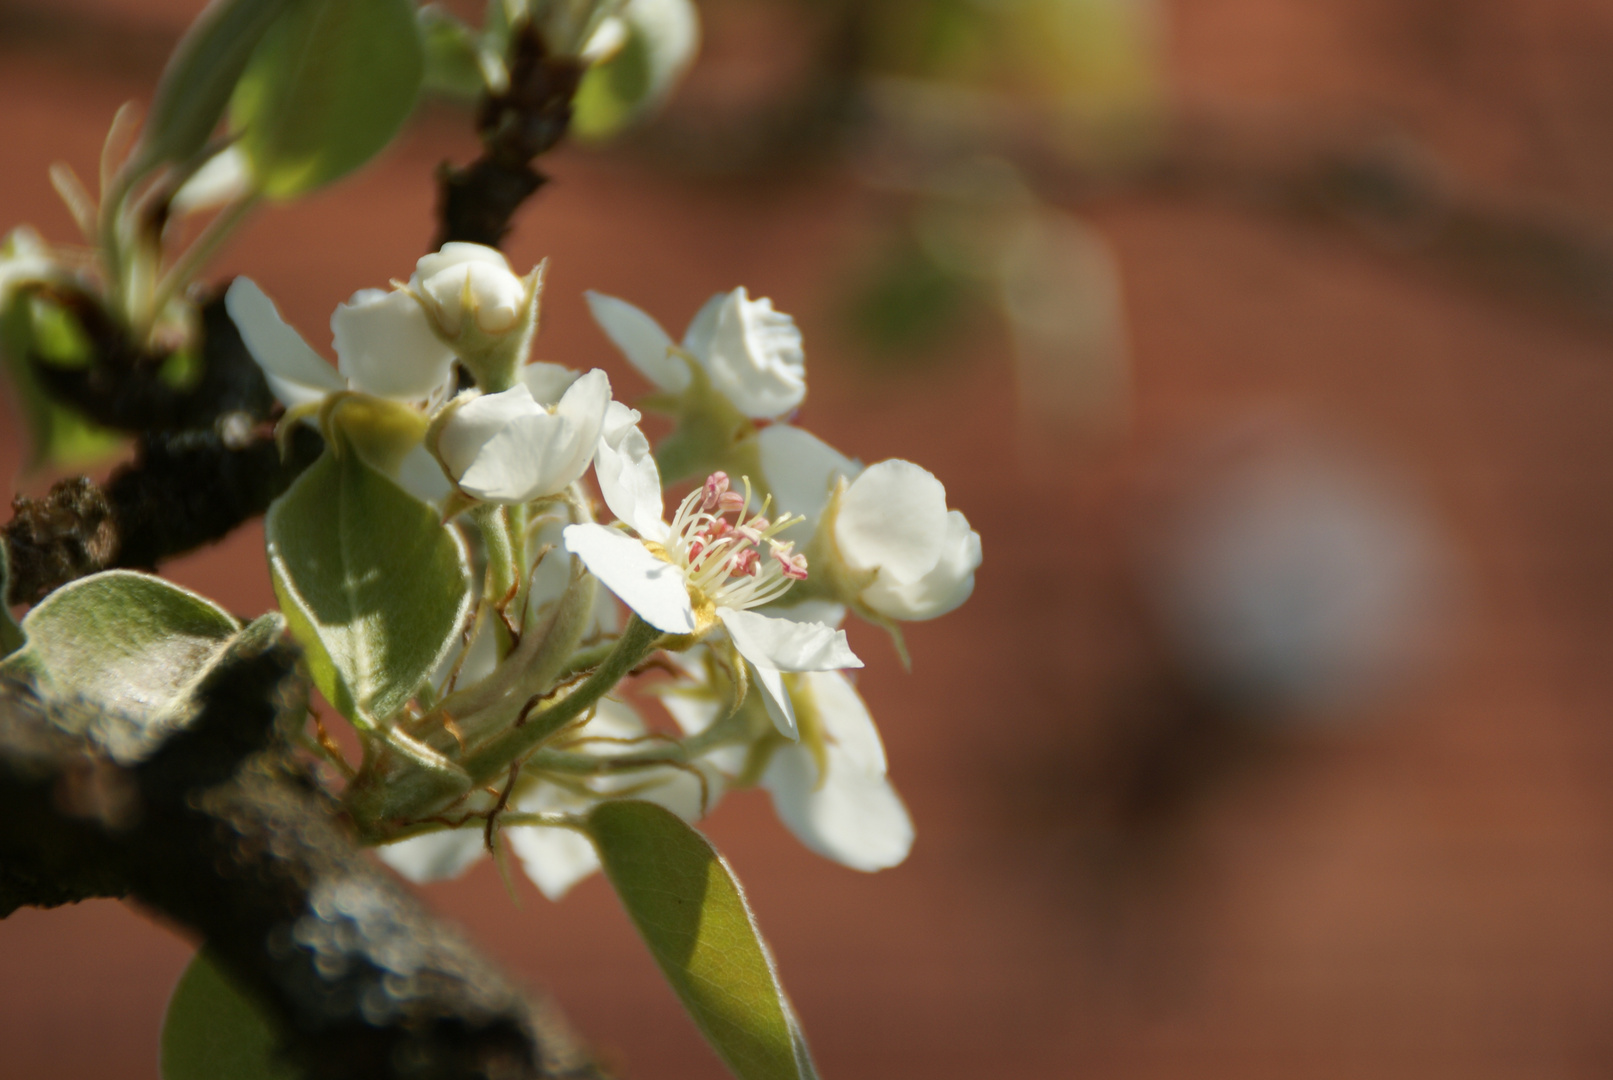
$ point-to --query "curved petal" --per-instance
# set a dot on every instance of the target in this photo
(653, 588)
(946, 586)
(547, 381)
(434, 856)
(641, 339)
(785, 645)
(755, 358)
(507, 448)
(385, 345)
(555, 859)
(801, 469)
(852, 815)
(892, 518)
(703, 327)
(628, 478)
(846, 721)
(457, 253)
(421, 476)
(582, 408)
(296, 374)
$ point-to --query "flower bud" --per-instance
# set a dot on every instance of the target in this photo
(480, 307)
(753, 354)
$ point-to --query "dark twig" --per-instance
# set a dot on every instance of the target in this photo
(181, 491)
(476, 203)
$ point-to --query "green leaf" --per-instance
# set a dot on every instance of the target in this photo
(375, 587)
(12, 637)
(214, 1032)
(452, 69)
(60, 436)
(692, 913)
(200, 77)
(331, 84)
(132, 645)
(613, 93)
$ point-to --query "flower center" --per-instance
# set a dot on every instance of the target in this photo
(724, 559)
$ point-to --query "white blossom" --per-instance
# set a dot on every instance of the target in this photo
(702, 570)
(750, 353)
(384, 347)
(508, 448)
(830, 789)
(473, 280)
(905, 555)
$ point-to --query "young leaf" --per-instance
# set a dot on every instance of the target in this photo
(452, 67)
(692, 913)
(11, 636)
(122, 639)
(212, 1031)
(331, 84)
(200, 77)
(375, 587)
(60, 436)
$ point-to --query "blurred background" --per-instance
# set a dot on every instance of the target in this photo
(1268, 346)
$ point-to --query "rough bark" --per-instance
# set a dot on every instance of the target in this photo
(222, 832)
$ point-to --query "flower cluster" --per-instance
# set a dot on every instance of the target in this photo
(739, 597)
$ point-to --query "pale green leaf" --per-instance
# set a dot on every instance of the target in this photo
(376, 588)
(612, 94)
(452, 67)
(59, 435)
(214, 1032)
(331, 84)
(693, 915)
(11, 636)
(131, 645)
(200, 77)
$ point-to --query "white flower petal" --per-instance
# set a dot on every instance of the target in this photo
(826, 612)
(554, 859)
(628, 478)
(694, 712)
(547, 381)
(783, 645)
(458, 253)
(385, 346)
(421, 476)
(755, 358)
(947, 585)
(845, 718)
(893, 518)
(507, 448)
(854, 816)
(703, 327)
(776, 699)
(641, 340)
(801, 469)
(582, 408)
(296, 374)
(653, 588)
(434, 856)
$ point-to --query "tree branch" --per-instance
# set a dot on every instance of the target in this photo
(221, 831)
(476, 203)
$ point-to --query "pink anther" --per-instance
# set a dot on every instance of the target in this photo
(715, 492)
(745, 564)
(794, 565)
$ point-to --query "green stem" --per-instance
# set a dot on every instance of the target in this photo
(730, 729)
(637, 642)
(203, 248)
